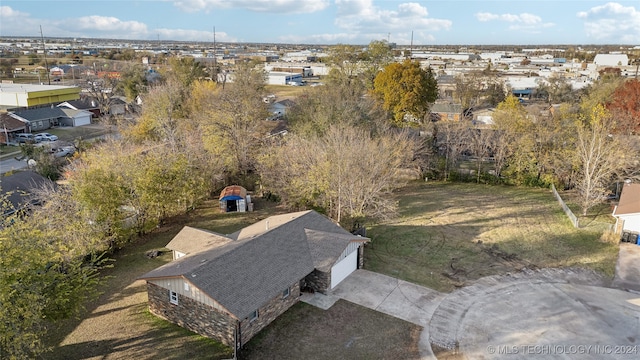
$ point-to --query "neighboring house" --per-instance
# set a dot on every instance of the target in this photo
(446, 112)
(627, 212)
(9, 126)
(233, 199)
(18, 189)
(85, 104)
(47, 117)
(229, 287)
(483, 116)
(117, 105)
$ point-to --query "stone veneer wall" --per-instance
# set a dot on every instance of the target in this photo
(268, 312)
(319, 281)
(193, 315)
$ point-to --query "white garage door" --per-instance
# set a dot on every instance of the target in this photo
(343, 268)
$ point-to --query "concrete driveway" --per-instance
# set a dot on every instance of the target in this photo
(394, 297)
(628, 268)
(548, 313)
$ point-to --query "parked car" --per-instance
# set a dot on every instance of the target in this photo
(63, 151)
(25, 138)
(45, 137)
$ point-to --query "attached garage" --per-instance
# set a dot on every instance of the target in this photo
(346, 264)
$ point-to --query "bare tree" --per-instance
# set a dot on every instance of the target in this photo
(451, 140)
(599, 157)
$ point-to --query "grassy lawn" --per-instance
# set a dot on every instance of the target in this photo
(345, 331)
(444, 236)
(450, 233)
(118, 325)
(285, 91)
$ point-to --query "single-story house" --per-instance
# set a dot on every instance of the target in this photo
(18, 189)
(47, 117)
(446, 112)
(230, 289)
(627, 212)
(233, 199)
(9, 126)
(85, 104)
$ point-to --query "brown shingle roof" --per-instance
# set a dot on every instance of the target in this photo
(10, 123)
(629, 200)
(191, 240)
(244, 274)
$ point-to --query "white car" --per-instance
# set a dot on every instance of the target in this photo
(45, 137)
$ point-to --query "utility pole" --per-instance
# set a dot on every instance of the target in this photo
(44, 48)
(411, 47)
(214, 75)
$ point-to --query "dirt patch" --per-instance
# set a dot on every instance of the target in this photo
(345, 331)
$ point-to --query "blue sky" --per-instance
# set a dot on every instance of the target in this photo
(440, 22)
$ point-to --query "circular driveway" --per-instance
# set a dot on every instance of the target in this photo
(548, 314)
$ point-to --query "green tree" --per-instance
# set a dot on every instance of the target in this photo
(377, 55)
(406, 89)
(185, 71)
(345, 58)
(132, 83)
(233, 123)
(41, 282)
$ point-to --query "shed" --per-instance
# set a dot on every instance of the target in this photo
(233, 199)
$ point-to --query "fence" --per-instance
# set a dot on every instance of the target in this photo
(565, 208)
(574, 219)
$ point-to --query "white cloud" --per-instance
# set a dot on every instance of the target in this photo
(6, 12)
(525, 22)
(109, 24)
(368, 21)
(192, 35)
(612, 22)
(268, 6)
(524, 18)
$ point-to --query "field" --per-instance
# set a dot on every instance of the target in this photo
(445, 236)
(449, 234)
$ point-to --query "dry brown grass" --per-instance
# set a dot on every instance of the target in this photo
(345, 331)
(448, 234)
(118, 325)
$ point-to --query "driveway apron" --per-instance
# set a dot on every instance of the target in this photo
(395, 297)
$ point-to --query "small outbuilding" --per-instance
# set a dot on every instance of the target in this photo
(233, 199)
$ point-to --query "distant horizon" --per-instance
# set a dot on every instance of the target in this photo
(330, 22)
(311, 45)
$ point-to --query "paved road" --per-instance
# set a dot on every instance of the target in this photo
(11, 164)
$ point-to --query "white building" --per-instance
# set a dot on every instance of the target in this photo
(611, 60)
(284, 78)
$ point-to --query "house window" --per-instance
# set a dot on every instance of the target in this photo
(173, 297)
(285, 293)
(186, 287)
(253, 316)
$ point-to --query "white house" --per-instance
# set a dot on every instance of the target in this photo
(627, 212)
